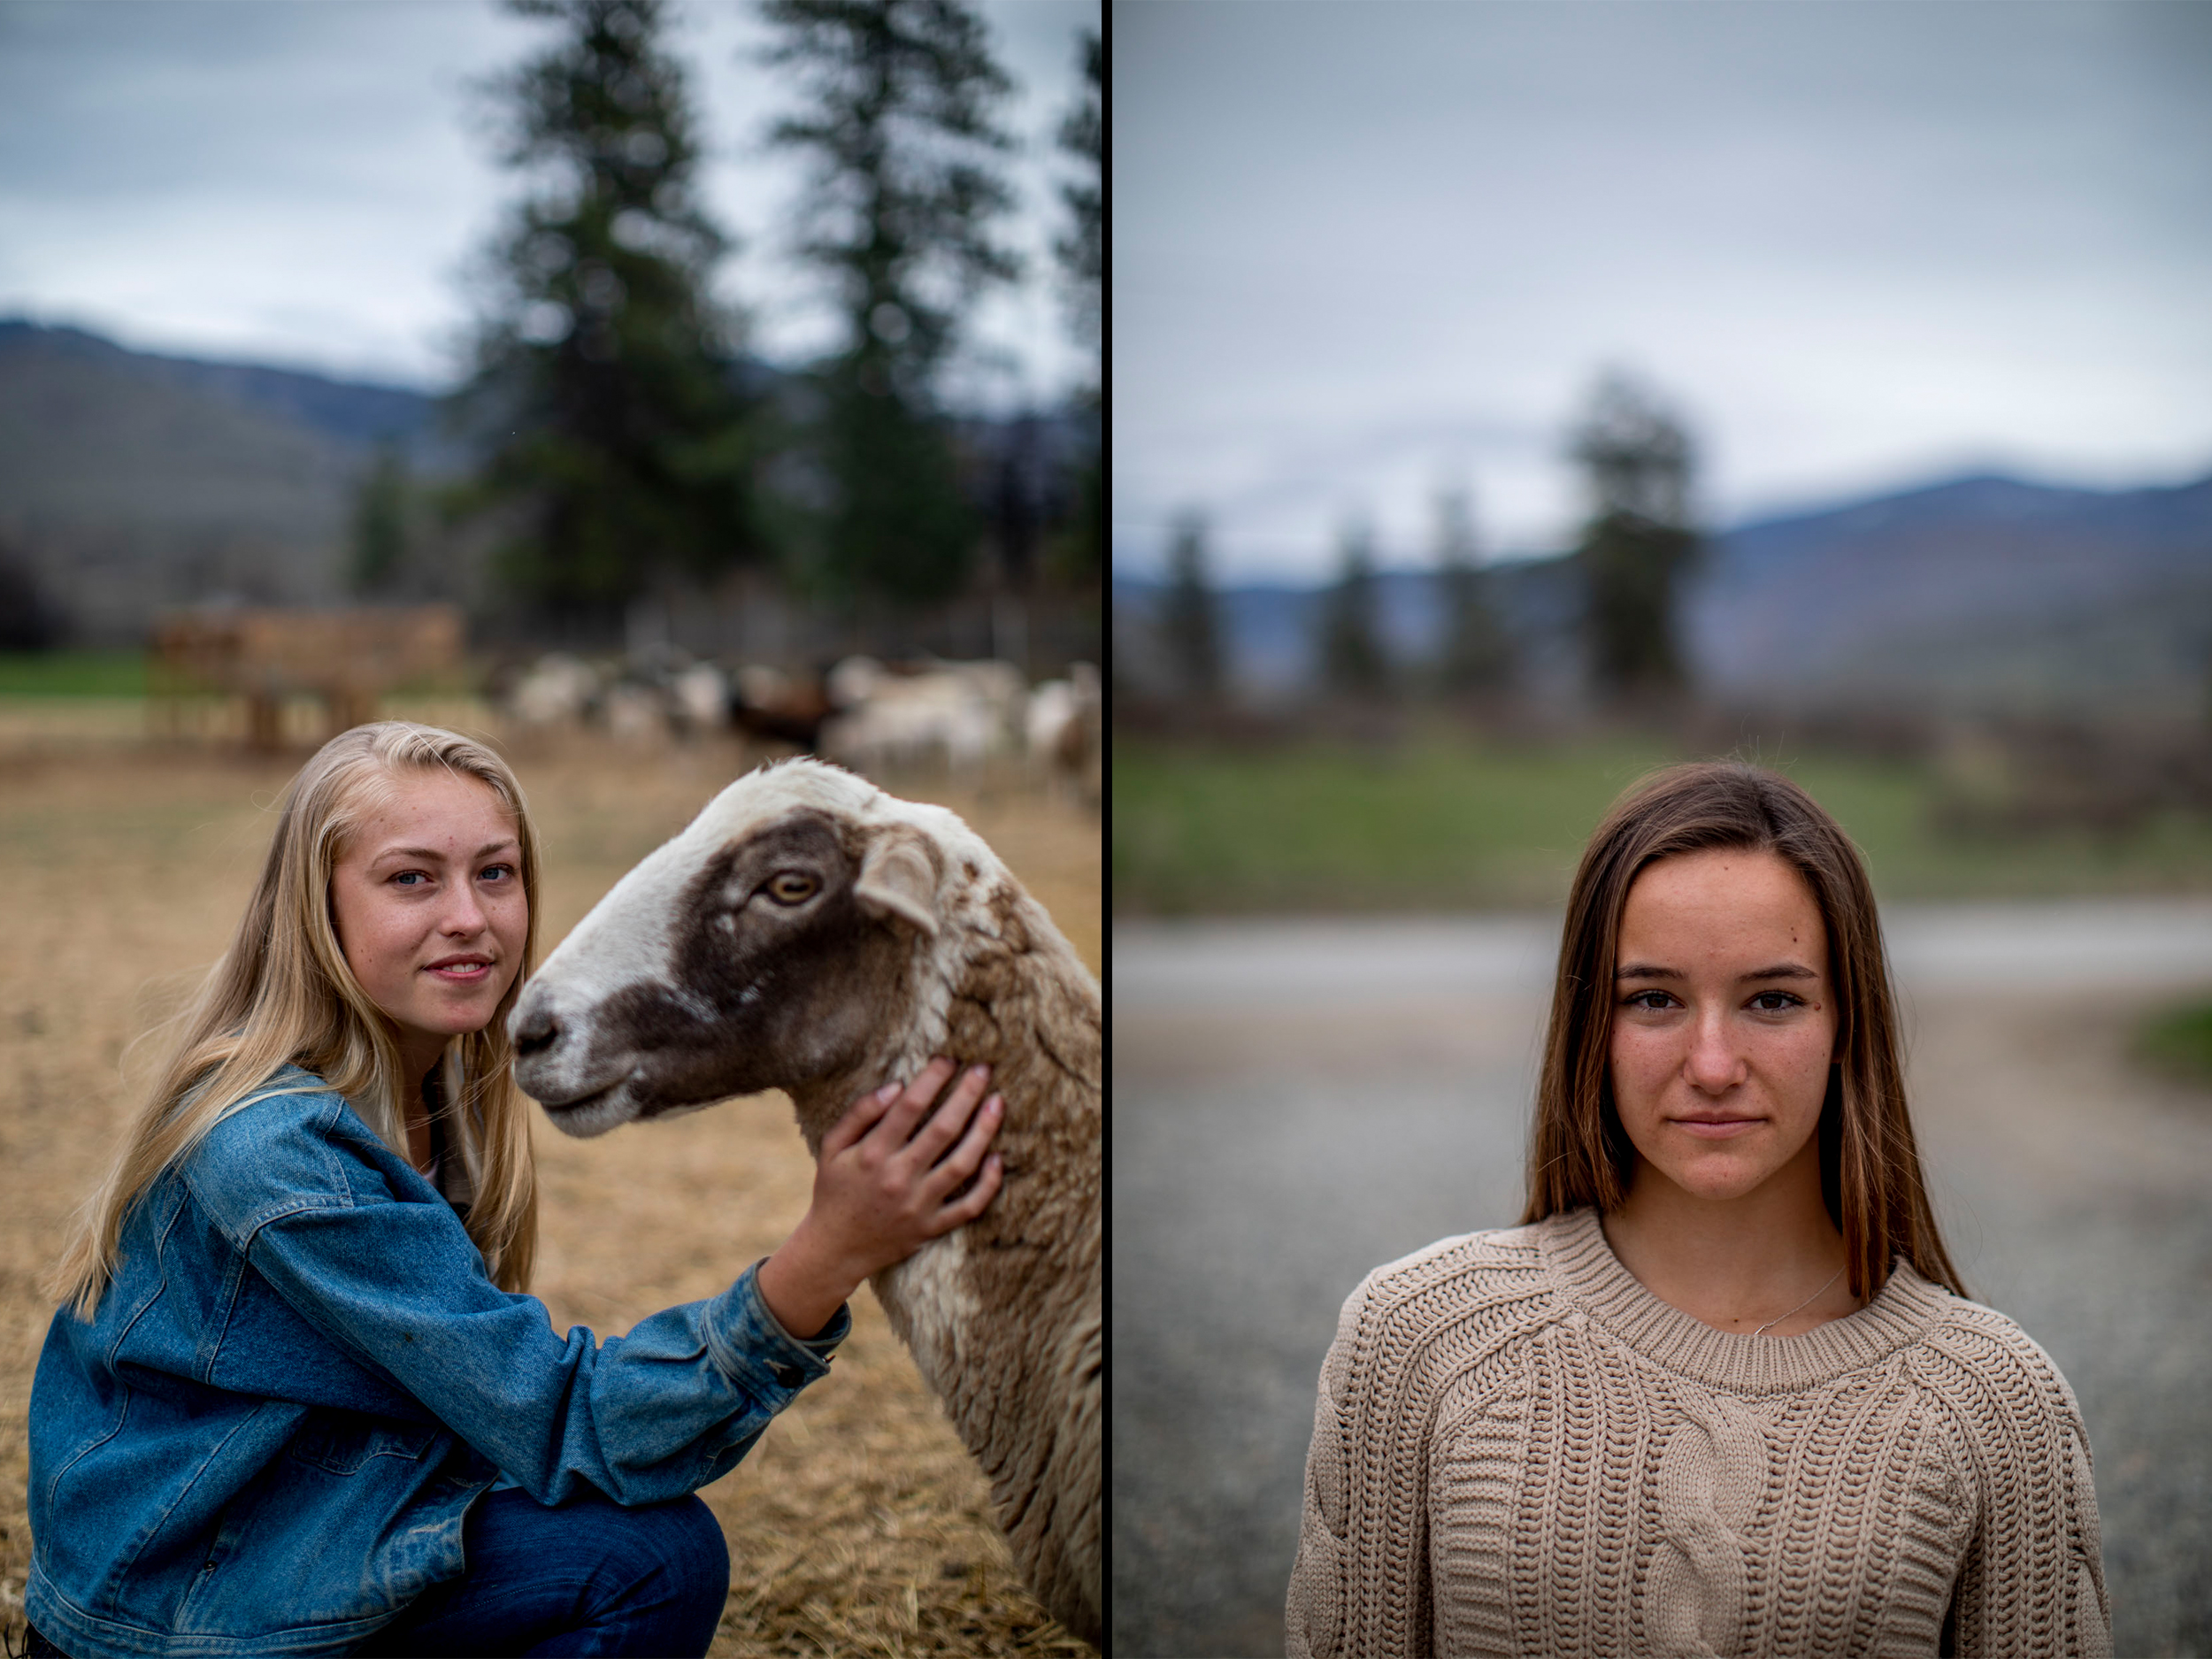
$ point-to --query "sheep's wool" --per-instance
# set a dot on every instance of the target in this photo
(1519, 1449)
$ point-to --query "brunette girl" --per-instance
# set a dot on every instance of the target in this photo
(296, 1400)
(1720, 1391)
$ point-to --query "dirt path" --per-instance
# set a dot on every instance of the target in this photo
(1344, 1094)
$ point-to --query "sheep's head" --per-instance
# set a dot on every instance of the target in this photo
(771, 944)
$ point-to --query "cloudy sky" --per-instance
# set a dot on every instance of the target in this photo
(305, 181)
(1365, 252)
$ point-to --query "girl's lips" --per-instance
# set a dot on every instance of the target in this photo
(460, 972)
(1720, 1131)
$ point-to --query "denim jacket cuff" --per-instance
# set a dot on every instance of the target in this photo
(751, 1346)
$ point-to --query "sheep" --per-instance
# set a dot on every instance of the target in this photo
(908, 719)
(637, 713)
(762, 685)
(1062, 731)
(700, 696)
(559, 690)
(854, 681)
(809, 932)
(1052, 709)
(766, 703)
(998, 685)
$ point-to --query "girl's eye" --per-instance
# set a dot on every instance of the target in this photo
(410, 879)
(497, 873)
(1775, 1002)
(1654, 1000)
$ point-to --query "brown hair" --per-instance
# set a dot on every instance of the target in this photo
(1870, 1166)
(284, 992)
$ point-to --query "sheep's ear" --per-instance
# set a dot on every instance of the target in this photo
(898, 881)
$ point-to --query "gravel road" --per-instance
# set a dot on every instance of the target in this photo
(1296, 1102)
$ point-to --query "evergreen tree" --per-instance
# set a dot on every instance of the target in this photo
(1081, 253)
(604, 367)
(1353, 662)
(1082, 250)
(1079, 555)
(901, 131)
(1190, 621)
(1638, 542)
(1477, 658)
(29, 619)
(380, 523)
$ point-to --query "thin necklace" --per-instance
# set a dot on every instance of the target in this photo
(1801, 1306)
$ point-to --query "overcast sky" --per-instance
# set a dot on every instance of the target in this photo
(1364, 252)
(304, 182)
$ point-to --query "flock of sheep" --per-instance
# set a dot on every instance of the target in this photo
(879, 720)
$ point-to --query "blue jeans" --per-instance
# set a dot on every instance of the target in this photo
(584, 1577)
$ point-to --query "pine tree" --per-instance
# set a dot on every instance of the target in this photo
(1082, 250)
(1190, 621)
(1476, 660)
(604, 367)
(1082, 257)
(1638, 542)
(28, 620)
(903, 194)
(380, 523)
(1353, 662)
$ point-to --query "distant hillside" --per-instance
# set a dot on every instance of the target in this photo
(1983, 592)
(129, 482)
(352, 412)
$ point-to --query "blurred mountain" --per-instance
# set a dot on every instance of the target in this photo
(1984, 592)
(130, 481)
(350, 411)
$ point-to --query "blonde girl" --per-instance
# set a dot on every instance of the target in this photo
(297, 1399)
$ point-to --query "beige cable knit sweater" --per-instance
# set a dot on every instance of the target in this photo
(1519, 1449)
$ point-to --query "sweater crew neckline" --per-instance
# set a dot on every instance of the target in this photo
(1574, 1248)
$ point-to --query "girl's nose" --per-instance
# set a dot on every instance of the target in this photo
(1714, 1063)
(465, 912)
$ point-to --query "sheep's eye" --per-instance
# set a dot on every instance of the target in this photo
(792, 887)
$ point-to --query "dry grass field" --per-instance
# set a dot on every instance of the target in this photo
(858, 1525)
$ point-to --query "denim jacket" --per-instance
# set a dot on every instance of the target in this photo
(266, 1437)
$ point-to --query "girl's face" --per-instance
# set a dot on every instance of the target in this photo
(1724, 1022)
(428, 901)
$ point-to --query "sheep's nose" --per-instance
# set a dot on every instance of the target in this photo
(533, 1029)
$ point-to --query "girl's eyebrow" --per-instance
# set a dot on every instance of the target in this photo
(433, 855)
(1780, 971)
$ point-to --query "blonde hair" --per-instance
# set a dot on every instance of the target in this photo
(283, 993)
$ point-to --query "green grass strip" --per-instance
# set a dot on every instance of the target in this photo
(1444, 821)
(73, 673)
(2179, 1041)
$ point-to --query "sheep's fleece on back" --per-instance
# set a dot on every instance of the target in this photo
(809, 932)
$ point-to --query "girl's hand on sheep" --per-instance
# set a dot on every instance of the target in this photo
(892, 1176)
